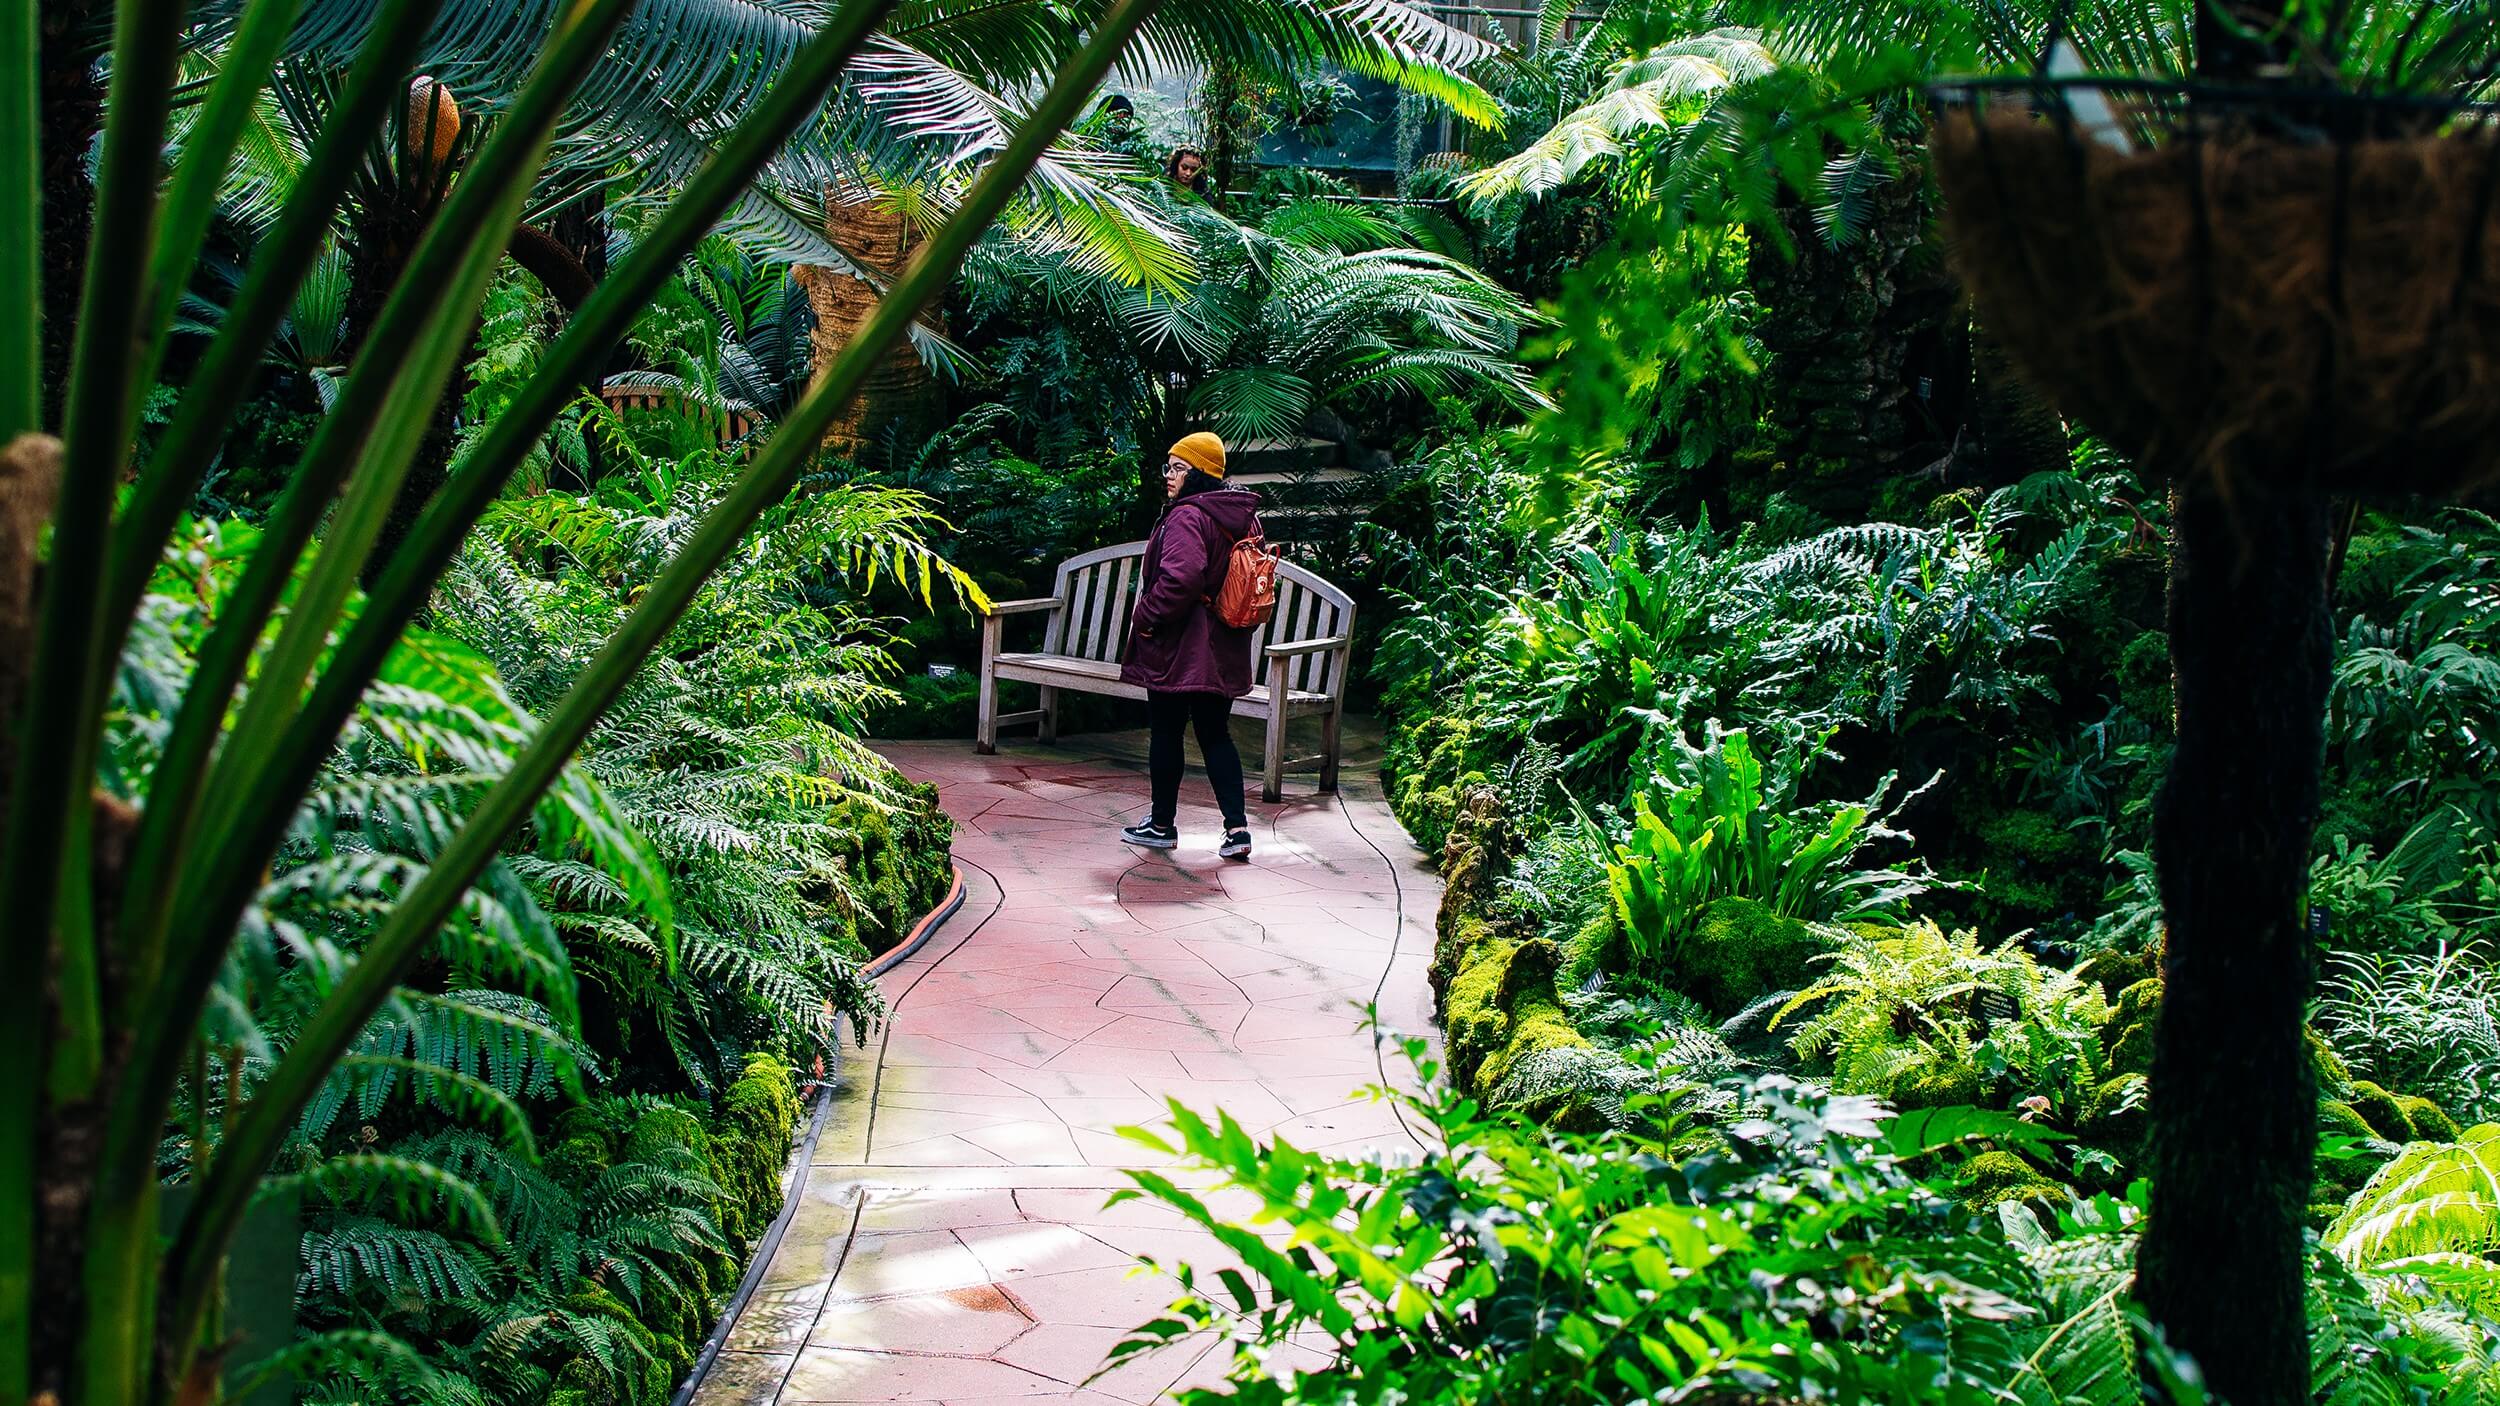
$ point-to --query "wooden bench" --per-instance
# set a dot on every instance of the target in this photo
(1300, 655)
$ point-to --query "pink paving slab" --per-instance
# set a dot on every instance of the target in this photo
(1086, 986)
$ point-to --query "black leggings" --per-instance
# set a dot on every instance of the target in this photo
(1171, 714)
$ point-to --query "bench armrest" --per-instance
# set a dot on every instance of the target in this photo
(1023, 607)
(1300, 647)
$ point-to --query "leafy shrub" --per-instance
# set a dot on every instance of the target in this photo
(723, 811)
(2415, 709)
(1719, 838)
(1792, 1259)
(2421, 1022)
(926, 706)
(2414, 897)
(1951, 622)
(2422, 1236)
(1927, 1018)
(1652, 630)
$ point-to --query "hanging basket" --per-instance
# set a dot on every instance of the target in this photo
(2239, 293)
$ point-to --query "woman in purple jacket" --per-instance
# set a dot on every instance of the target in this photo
(1191, 664)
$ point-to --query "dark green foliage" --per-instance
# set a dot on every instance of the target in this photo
(1785, 1258)
(1741, 951)
(575, 1244)
(1719, 836)
(2421, 1023)
(594, 1276)
(2037, 868)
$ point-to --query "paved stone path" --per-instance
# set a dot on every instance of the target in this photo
(953, 1246)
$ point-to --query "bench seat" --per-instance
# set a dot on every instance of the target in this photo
(1303, 651)
(1103, 676)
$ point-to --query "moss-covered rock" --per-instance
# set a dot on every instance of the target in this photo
(1597, 947)
(2337, 1118)
(1429, 767)
(2334, 1076)
(2379, 1109)
(2129, 1034)
(1994, 1179)
(1537, 1023)
(1741, 951)
(2037, 867)
(2112, 1115)
(1502, 1007)
(748, 1149)
(1940, 1084)
(2429, 1122)
(1473, 859)
(898, 866)
(2116, 971)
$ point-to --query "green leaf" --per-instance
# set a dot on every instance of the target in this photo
(1924, 1130)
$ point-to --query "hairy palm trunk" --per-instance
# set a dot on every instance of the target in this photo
(70, 1131)
(382, 237)
(2234, 1098)
(568, 258)
(2234, 1095)
(900, 398)
(1225, 101)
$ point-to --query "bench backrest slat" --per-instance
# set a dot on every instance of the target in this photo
(1124, 585)
(1084, 611)
(1097, 591)
(1306, 669)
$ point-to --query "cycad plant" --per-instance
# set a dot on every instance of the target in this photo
(131, 902)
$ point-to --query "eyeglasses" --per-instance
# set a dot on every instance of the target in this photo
(1176, 466)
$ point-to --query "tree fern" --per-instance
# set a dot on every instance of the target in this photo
(2432, 1199)
(360, 1255)
(1901, 1016)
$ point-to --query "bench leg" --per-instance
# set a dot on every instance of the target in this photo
(1050, 715)
(1331, 731)
(1273, 788)
(985, 731)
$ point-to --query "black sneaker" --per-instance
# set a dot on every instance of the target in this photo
(1236, 845)
(1145, 834)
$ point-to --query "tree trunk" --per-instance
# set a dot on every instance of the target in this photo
(383, 233)
(569, 258)
(899, 397)
(72, 114)
(1224, 100)
(2234, 1094)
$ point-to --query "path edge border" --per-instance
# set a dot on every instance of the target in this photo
(921, 931)
(803, 1154)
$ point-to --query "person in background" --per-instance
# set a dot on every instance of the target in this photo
(1191, 664)
(1187, 166)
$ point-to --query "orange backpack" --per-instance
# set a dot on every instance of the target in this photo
(1247, 599)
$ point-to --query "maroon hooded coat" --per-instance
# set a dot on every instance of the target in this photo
(1175, 644)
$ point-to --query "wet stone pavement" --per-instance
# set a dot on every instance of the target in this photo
(952, 1244)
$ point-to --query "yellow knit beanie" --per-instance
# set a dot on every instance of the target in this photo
(1201, 451)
